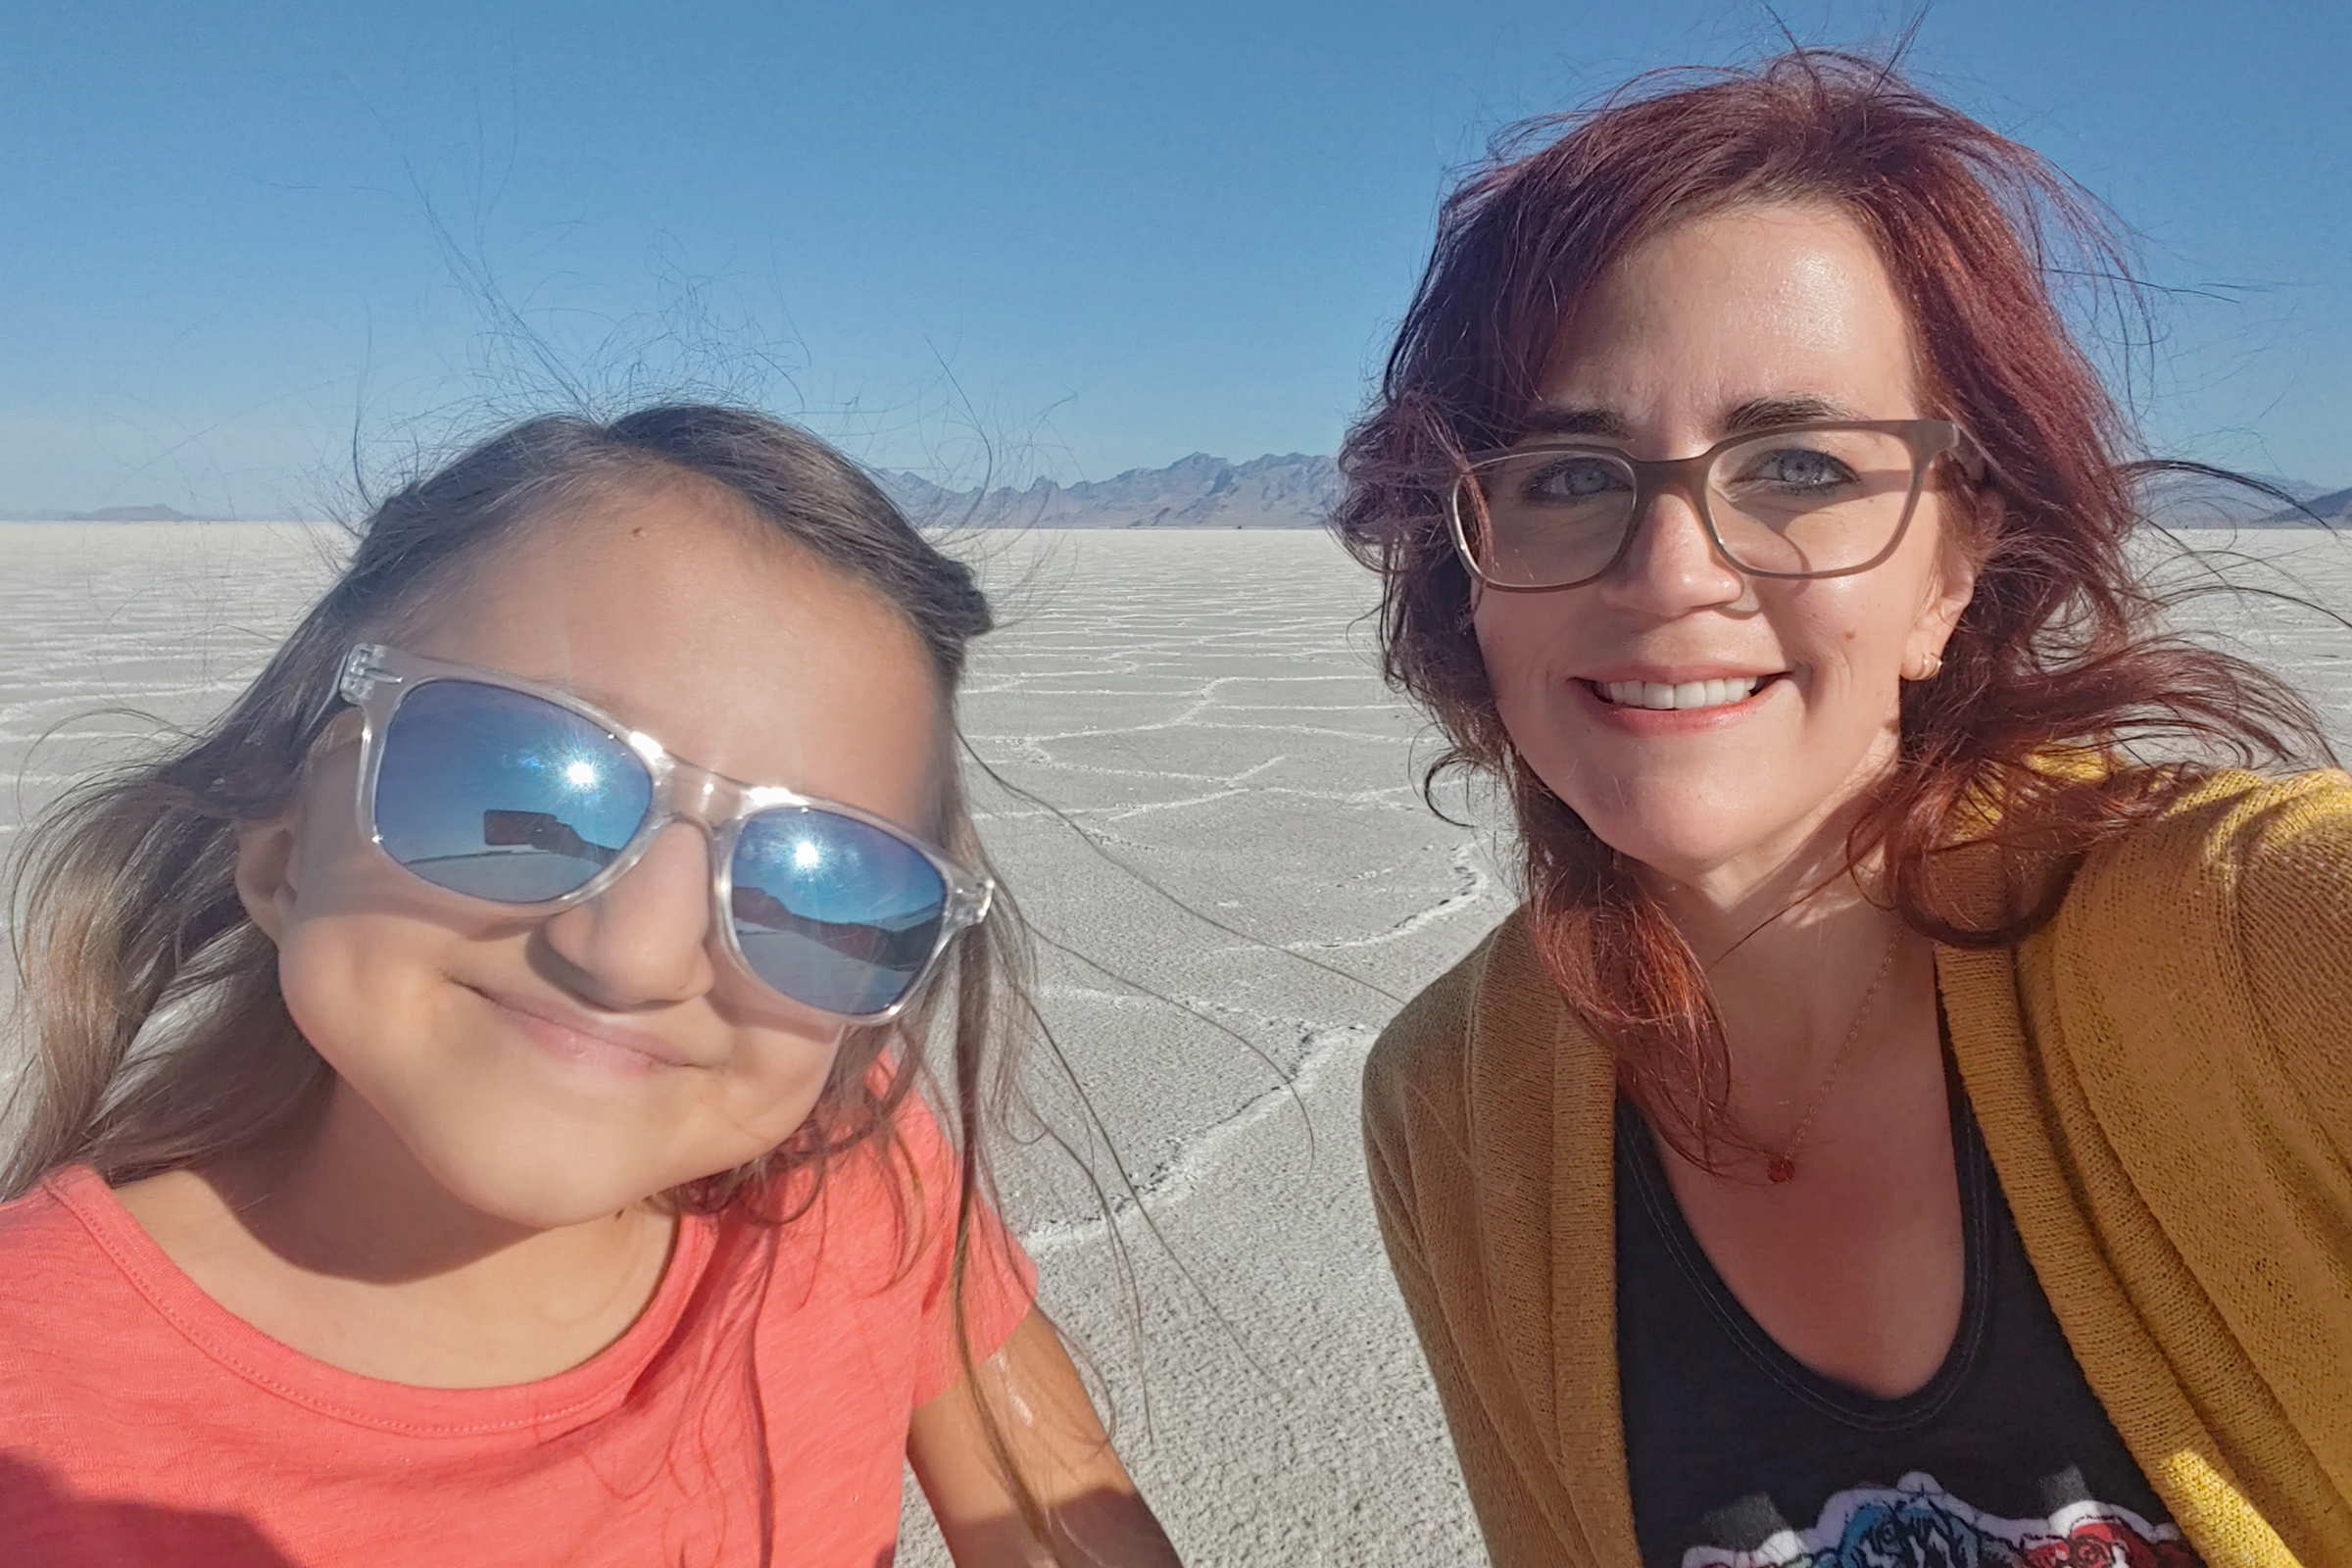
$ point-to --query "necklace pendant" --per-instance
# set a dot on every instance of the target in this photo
(1780, 1169)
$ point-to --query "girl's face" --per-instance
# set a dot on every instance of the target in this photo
(1766, 316)
(551, 1069)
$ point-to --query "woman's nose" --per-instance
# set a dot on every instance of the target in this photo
(644, 942)
(1671, 566)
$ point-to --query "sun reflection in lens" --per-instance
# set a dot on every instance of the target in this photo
(581, 774)
(808, 855)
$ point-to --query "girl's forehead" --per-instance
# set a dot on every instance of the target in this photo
(747, 655)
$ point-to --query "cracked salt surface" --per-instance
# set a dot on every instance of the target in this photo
(1203, 706)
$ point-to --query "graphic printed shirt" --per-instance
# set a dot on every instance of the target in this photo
(1742, 1457)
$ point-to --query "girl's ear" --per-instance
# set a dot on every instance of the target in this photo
(267, 869)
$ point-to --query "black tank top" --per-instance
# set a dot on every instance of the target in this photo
(1742, 1455)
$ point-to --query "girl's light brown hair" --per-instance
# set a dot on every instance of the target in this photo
(159, 1040)
(2063, 646)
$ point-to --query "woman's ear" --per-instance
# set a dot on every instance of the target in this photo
(268, 863)
(1960, 553)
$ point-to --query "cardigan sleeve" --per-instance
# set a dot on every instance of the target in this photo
(2293, 903)
(1399, 1115)
(2190, 1020)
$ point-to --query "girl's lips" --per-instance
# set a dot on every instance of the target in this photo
(1629, 719)
(581, 1042)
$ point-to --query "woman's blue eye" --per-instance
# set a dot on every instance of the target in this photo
(1799, 469)
(1574, 479)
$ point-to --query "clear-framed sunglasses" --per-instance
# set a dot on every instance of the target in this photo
(1822, 498)
(518, 795)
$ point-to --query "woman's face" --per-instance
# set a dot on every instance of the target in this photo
(1720, 325)
(551, 1069)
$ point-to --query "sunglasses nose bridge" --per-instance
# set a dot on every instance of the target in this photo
(685, 793)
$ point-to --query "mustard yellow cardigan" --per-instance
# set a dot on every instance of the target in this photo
(2163, 1078)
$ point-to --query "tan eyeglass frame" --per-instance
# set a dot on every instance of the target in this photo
(1926, 439)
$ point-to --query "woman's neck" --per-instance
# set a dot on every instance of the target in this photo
(1791, 950)
(342, 1245)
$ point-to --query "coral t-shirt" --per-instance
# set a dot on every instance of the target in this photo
(760, 1401)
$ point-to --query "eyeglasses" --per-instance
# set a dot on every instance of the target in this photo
(521, 795)
(1821, 500)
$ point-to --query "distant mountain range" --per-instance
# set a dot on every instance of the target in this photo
(153, 514)
(1291, 491)
(2336, 506)
(2189, 501)
(1294, 490)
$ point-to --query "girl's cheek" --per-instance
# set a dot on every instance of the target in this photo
(787, 1074)
(347, 979)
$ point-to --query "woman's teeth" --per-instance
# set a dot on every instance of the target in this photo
(1689, 694)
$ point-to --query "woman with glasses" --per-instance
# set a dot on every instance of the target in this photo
(478, 1104)
(1910, 1118)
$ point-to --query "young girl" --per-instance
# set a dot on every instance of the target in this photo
(472, 1114)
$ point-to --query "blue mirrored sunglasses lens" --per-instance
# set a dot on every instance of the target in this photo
(502, 794)
(833, 912)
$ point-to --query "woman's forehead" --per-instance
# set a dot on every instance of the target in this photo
(1725, 315)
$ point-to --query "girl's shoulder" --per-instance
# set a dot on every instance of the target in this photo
(870, 1252)
(68, 1224)
(77, 1303)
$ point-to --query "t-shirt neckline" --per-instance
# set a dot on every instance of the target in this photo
(1838, 1401)
(570, 1397)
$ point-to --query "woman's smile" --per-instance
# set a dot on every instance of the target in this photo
(1676, 702)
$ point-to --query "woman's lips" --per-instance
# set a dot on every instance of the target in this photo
(1710, 692)
(1640, 719)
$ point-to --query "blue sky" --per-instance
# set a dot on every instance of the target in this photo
(1098, 237)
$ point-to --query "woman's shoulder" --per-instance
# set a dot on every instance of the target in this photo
(1487, 1027)
(2224, 923)
(2231, 846)
(1423, 1044)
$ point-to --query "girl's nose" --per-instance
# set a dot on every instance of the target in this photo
(1672, 567)
(644, 942)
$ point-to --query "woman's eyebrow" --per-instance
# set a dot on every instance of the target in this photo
(1554, 419)
(1793, 408)
(1757, 414)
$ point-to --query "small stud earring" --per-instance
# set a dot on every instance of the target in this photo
(1931, 667)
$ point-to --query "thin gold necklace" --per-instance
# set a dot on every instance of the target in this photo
(1781, 1166)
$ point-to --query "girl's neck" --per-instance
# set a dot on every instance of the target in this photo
(341, 1245)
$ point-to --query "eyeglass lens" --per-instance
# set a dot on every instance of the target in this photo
(501, 795)
(833, 911)
(1797, 502)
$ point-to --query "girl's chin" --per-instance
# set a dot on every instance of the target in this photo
(543, 1200)
(542, 1178)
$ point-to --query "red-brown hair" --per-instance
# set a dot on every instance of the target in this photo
(2062, 648)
